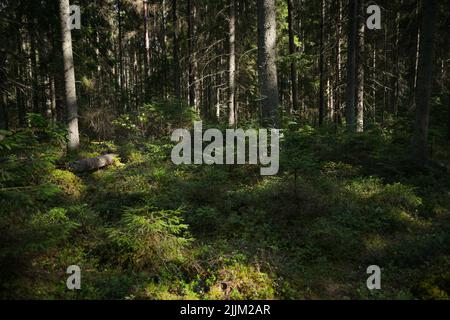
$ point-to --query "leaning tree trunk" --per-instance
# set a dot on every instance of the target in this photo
(267, 38)
(69, 77)
(424, 81)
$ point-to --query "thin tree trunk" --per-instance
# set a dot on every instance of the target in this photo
(121, 70)
(360, 71)
(69, 77)
(448, 95)
(396, 69)
(192, 57)
(448, 114)
(147, 62)
(416, 57)
(292, 51)
(4, 122)
(339, 41)
(232, 64)
(374, 80)
(176, 63)
(34, 68)
(321, 65)
(351, 64)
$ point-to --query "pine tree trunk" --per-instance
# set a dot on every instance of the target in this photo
(360, 70)
(292, 51)
(351, 64)
(176, 63)
(4, 123)
(267, 38)
(121, 69)
(448, 95)
(396, 67)
(192, 57)
(232, 64)
(339, 40)
(69, 77)
(147, 61)
(321, 65)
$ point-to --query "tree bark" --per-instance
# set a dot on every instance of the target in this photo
(321, 65)
(4, 122)
(351, 64)
(69, 77)
(448, 114)
(360, 70)
(448, 96)
(339, 41)
(267, 38)
(92, 163)
(232, 65)
(176, 62)
(292, 51)
(121, 69)
(424, 81)
(396, 66)
(147, 62)
(192, 56)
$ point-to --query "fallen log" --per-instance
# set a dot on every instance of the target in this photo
(92, 164)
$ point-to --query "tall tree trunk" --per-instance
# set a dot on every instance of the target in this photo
(164, 46)
(448, 112)
(321, 65)
(351, 64)
(360, 70)
(34, 67)
(121, 70)
(267, 38)
(339, 41)
(192, 56)
(416, 57)
(424, 81)
(448, 94)
(176, 62)
(396, 67)
(4, 123)
(69, 77)
(232, 64)
(292, 51)
(147, 62)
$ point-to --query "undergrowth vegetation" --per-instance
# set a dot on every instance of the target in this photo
(147, 229)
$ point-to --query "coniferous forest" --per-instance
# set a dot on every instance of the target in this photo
(91, 93)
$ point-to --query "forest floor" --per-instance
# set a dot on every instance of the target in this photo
(147, 229)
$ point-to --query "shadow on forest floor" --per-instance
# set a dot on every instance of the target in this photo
(278, 237)
(147, 229)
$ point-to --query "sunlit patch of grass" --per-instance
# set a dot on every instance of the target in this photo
(375, 243)
(67, 182)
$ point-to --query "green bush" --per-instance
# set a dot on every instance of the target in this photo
(149, 238)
